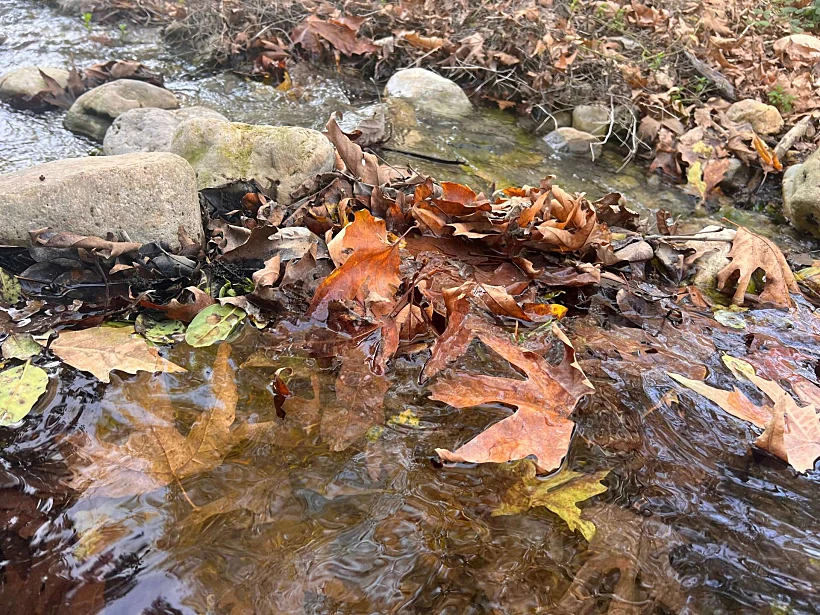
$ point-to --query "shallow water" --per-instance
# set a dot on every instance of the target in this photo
(379, 527)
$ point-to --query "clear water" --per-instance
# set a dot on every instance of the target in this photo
(692, 522)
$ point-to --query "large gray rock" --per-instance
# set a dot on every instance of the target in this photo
(93, 113)
(571, 141)
(593, 119)
(147, 195)
(280, 158)
(765, 119)
(801, 195)
(430, 93)
(23, 87)
(150, 129)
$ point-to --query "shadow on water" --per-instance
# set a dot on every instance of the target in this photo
(692, 522)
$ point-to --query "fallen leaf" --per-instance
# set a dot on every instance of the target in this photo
(768, 158)
(159, 331)
(360, 396)
(560, 494)
(99, 350)
(185, 312)
(213, 324)
(734, 402)
(156, 454)
(20, 388)
(543, 400)
(749, 253)
(20, 346)
(10, 290)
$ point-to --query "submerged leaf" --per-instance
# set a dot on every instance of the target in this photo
(560, 494)
(20, 388)
(159, 331)
(213, 324)
(20, 346)
(99, 350)
(10, 290)
(156, 453)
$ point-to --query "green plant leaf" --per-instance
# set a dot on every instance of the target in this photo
(10, 290)
(213, 324)
(20, 388)
(159, 331)
(20, 346)
(560, 494)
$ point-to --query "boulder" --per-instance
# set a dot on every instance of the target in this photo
(801, 195)
(93, 113)
(23, 87)
(765, 119)
(150, 129)
(430, 93)
(148, 196)
(571, 141)
(279, 158)
(558, 119)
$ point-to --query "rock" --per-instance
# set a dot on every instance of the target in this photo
(736, 177)
(765, 119)
(558, 119)
(572, 141)
(593, 119)
(150, 129)
(801, 195)
(146, 195)
(279, 158)
(93, 113)
(429, 93)
(23, 87)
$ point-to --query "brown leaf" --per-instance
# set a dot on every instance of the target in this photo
(99, 350)
(370, 273)
(768, 159)
(734, 402)
(362, 165)
(360, 396)
(341, 33)
(157, 454)
(186, 312)
(543, 400)
(749, 253)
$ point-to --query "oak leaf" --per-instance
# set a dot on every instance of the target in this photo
(99, 350)
(157, 454)
(749, 253)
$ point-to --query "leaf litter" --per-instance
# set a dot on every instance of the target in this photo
(397, 267)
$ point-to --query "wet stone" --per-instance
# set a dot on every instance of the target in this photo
(571, 141)
(150, 129)
(147, 196)
(429, 93)
(22, 87)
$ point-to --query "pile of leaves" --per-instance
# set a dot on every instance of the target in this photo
(371, 263)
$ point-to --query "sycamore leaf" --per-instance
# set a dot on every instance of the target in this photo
(749, 253)
(156, 454)
(263, 500)
(99, 350)
(543, 400)
(364, 232)
(213, 324)
(560, 494)
(734, 402)
(159, 331)
(370, 271)
(20, 388)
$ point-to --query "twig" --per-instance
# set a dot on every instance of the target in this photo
(796, 132)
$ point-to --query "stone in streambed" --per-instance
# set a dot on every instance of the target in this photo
(146, 195)
(23, 87)
(429, 92)
(93, 113)
(801, 195)
(150, 129)
(572, 141)
(279, 158)
(764, 119)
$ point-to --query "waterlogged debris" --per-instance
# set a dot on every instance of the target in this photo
(405, 418)
(10, 290)
(791, 432)
(20, 346)
(560, 494)
(20, 388)
(156, 454)
(187, 311)
(749, 253)
(213, 324)
(731, 319)
(161, 332)
(100, 350)
(544, 399)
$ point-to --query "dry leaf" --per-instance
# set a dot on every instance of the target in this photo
(101, 349)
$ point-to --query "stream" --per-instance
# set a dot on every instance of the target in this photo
(692, 521)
